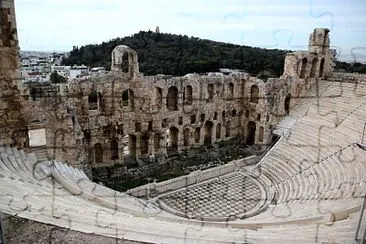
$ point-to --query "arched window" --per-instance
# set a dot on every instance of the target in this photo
(314, 65)
(114, 150)
(98, 153)
(93, 100)
(321, 68)
(125, 64)
(187, 95)
(127, 98)
(124, 59)
(304, 64)
(172, 98)
(254, 94)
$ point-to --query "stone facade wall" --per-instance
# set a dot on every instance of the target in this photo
(13, 128)
(108, 119)
(316, 62)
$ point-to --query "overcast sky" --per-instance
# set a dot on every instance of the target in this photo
(58, 25)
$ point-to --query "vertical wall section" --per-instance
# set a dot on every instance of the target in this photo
(13, 128)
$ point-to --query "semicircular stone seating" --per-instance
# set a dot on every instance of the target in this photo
(311, 183)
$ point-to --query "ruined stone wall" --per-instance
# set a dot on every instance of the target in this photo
(13, 128)
(108, 119)
(164, 114)
(317, 62)
(347, 77)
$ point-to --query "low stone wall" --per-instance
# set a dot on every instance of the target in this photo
(153, 189)
(19, 230)
(346, 77)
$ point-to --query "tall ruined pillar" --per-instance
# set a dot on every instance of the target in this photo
(13, 128)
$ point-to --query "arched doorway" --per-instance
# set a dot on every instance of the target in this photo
(98, 153)
(157, 142)
(313, 67)
(304, 64)
(187, 94)
(251, 132)
(254, 94)
(93, 100)
(218, 131)
(144, 144)
(321, 69)
(186, 137)
(172, 98)
(173, 137)
(287, 103)
(197, 135)
(114, 150)
(208, 133)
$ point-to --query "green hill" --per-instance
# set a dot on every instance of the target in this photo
(171, 54)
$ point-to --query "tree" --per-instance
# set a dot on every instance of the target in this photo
(56, 78)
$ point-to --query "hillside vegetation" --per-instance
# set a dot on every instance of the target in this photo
(170, 54)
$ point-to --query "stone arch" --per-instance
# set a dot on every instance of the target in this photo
(114, 149)
(208, 133)
(187, 94)
(261, 134)
(228, 129)
(98, 153)
(128, 98)
(321, 68)
(186, 137)
(254, 94)
(172, 98)
(144, 144)
(314, 65)
(304, 64)
(230, 91)
(173, 138)
(125, 60)
(251, 127)
(287, 103)
(218, 131)
(197, 135)
(210, 92)
(93, 100)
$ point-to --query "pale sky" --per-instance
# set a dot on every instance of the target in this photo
(58, 25)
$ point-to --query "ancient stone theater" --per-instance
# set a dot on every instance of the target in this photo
(307, 185)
